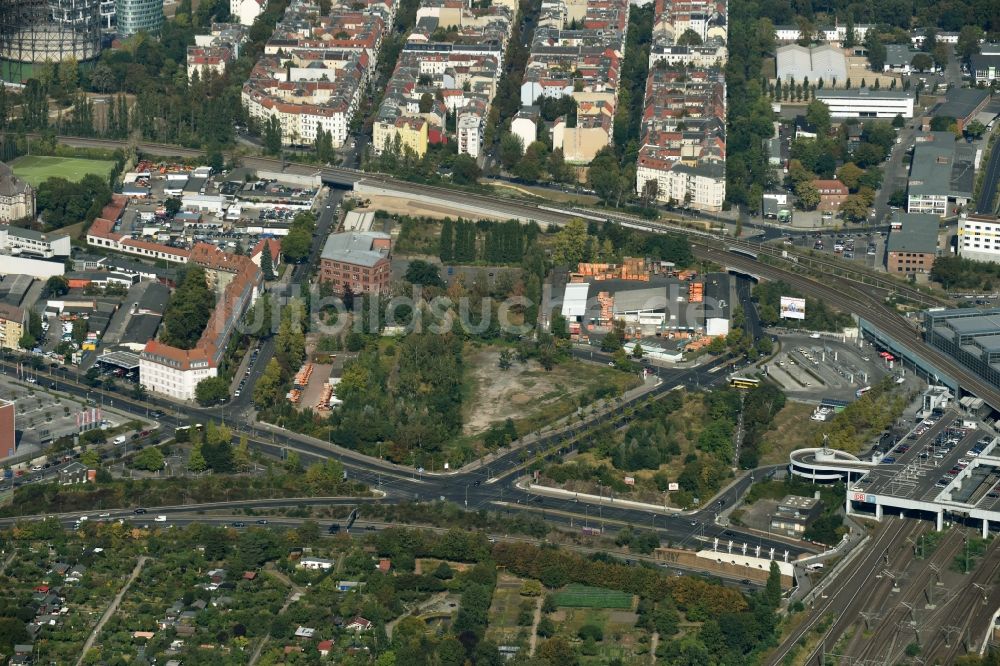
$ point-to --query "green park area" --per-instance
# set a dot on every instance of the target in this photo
(583, 596)
(37, 168)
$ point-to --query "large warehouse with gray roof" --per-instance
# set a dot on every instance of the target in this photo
(824, 62)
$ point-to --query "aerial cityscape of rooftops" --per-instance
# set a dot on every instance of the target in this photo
(481, 332)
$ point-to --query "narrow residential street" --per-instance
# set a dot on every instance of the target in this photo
(111, 609)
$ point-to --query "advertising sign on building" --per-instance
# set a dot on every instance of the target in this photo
(793, 308)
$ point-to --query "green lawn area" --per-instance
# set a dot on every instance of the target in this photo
(583, 596)
(36, 168)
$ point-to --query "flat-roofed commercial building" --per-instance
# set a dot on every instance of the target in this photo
(867, 103)
(912, 247)
(969, 335)
(942, 175)
(979, 237)
(962, 104)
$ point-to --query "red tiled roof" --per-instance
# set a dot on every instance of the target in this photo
(272, 243)
(821, 184)
(185, 357)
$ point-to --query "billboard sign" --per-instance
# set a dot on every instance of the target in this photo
(793, 308)
(673, 486)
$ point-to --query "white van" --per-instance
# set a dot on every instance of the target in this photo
(160, 519)
(119, 440)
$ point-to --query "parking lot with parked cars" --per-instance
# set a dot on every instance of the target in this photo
(246, 373)
(867, 247)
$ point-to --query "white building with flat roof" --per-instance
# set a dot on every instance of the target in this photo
(979, 238)
(867, 103)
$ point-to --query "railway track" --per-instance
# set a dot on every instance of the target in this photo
(855, 577)
(849, 298)
(951, 623)
(854, 297)
(891, 628)
(555, 214)
(551, 213)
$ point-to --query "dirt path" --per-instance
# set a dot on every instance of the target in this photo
(111, 609)
(7, 562)
(438, 597)
(654, 641)
(294, 593)
(533, 638)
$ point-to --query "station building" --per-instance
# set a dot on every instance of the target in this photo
(946, 469)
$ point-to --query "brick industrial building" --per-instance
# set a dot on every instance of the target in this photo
(913, 244)
(358, 260)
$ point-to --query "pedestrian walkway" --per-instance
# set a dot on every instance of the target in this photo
(111, 610)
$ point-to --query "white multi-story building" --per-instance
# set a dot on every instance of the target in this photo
(836, 34)
(702, 186)
(525, 126)
(942, 37)
(174, 372)
(16, 240)
(207, 60)
(213, 52)
(695, 56)
(979, 238)
(470, 133)
(867, 102)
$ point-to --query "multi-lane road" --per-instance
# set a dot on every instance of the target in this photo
(487, 485)
(493, 484)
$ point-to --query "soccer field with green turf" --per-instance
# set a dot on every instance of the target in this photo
(37, 168)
